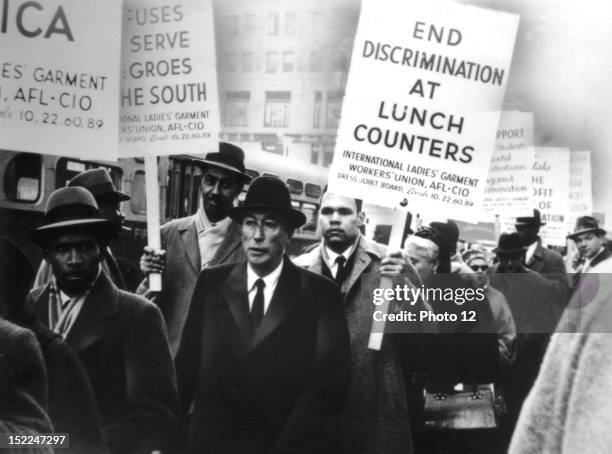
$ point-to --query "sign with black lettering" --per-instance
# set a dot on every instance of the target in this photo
(169, 101)
(422, 104)
(581, 192)
(59, 77)
(509, 185)
(551, 174)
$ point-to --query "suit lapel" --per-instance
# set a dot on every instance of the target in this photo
(228, 246)
(41, 306)
(287, 289)
(189, 235)
(603, 255)
(92, 321)
(362, 261)
(235, 294)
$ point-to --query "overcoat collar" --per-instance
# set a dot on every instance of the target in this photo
(189, 234)
(92, 322)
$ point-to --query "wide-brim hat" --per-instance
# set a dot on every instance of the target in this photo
(535, 220)
(509, 244)
(99, 183)
(68, 209)
(268, 193)
(586, 224)
(229, 157)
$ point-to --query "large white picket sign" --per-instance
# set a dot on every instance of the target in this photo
(421, 110)
(59, 77)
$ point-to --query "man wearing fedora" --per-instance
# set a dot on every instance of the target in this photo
(589, 239)
(100, 184)
(209, 237)
(545, 261)
(533, 302)
(118, 337)
(263, 365)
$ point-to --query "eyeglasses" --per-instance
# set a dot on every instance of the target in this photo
(479, 267)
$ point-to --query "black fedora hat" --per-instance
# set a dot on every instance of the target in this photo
(586, 224)
(229, 157)
(99, 183)
(528, 221)
(69, 209)
(509, 244)
(268, 193)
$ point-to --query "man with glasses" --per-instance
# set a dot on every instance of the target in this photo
(192, 243)
(502, 317)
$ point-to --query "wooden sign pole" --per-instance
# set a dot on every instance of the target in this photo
(395, 243)
(152, 197)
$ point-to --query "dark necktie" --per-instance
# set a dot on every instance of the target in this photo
(257, 311)
(341, 261)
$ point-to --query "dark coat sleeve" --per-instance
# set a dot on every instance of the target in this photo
(23, 384)
(150, 417)
(314, 421)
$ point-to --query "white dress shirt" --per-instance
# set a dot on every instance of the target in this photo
(270, 280)
(330, 256)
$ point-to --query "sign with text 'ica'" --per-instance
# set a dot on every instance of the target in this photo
(59, 77)
(422, 103)
(169, 101)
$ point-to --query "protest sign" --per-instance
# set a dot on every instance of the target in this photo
(509, 186)
(59, 77)
(422, 103)
(169, 101)
(551, 171)
(581, 194)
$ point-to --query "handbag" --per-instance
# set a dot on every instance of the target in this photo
(469, 409)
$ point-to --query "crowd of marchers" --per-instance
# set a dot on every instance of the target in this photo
(248, 350)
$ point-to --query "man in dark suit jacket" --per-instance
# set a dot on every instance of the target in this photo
(189, 244)
(23, 384)
(119, 337)
(264, 360)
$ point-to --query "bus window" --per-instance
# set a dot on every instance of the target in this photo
(195, 190)
(270, 175)
(186, 193)
(138, 201)
(310, 210)
(66, 169)
(23, 177)
(295, 186)
(313, 190)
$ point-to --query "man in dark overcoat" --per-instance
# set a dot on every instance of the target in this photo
(119, 337)
(264, 360)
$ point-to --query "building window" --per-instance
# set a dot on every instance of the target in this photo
(328, 154)
(231, 61)
(290, 23)
(271, 62)
(272, 24)
(248, 24)
(318, 102)
(237, 108)
(314, 153)
(339, 61)
(334, 108)
(288, 62)
(247, 62)
(232, 25)
(315, 61)
(277, 108)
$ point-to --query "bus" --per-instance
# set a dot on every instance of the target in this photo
(29, 178)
